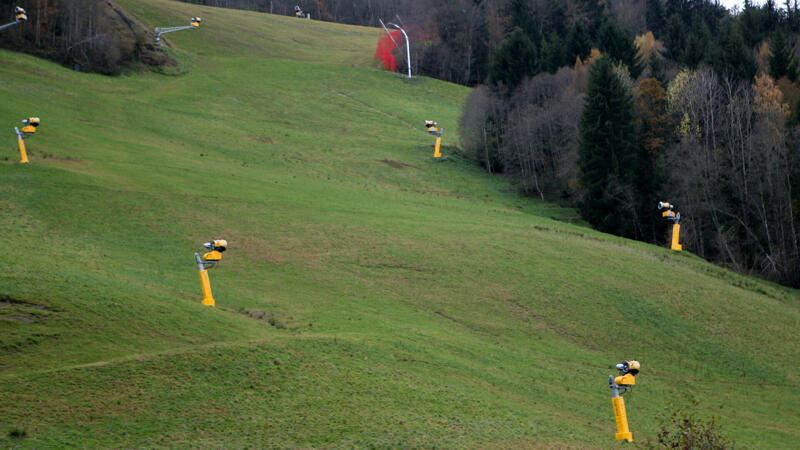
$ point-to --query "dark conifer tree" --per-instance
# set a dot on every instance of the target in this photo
(794, 118)
(618, 44)
(680, 8)
(794, 17)
(656, 66)
(514, 60)
(772, 17)
(695, 51)
(751, 23)
(794, 71)
(555, 18)
(595, 13)
(675, 37)
(781, 61)
(552, 57)
(578, 43)
(656, 18)
(521, 17)
(697, 43)
(480, 53)
(731, 57)
(608, 152)
(788, 13)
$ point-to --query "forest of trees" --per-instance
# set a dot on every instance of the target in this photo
(698, 106)
(93, 35)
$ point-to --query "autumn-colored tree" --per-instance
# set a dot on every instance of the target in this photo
(731, 172)
(762, 57)
(652, 117)
(768, 98)
(647, 46)
(653, 124)
(581, 69)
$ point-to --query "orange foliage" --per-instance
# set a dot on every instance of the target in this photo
(646, 45)
(651, 105)
(768, 98)
(581, 69)
(762, 57)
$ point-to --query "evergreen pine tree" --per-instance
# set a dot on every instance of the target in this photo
(751, 21)
(608, 151)
(554, 18)
(678, 7)
(772, 16)
(656, 19)
(780, 62)
(521, 17)
(794, 71)
(595, 14)
(794, 117)
(675, 37)
(578, 43)
(794, 17)
(618, 43)
(552, 53)
(480, 53)
(656, 66)
(696, 50)
(514, 60)
(732, 58)
(788, 13)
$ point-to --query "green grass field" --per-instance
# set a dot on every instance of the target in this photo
(370, 296)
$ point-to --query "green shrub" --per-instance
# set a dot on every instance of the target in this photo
(684, 430)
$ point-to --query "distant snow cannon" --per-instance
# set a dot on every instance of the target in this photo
(669, 214)
(209, 260)
(31, 124)
(195, 23)
(20, 16)
(433, 128)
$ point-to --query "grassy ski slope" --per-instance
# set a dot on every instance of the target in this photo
(370, 295)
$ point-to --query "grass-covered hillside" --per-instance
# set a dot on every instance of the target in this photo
(370, 295)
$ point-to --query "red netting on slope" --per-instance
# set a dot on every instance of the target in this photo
(384, 51)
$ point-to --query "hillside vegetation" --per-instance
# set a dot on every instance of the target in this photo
(85, 35)
(369, 296)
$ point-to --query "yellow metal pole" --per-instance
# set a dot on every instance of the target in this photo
(208, 299)
(676, 235)
(622, 420)
(23, 155)
(436, 152)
